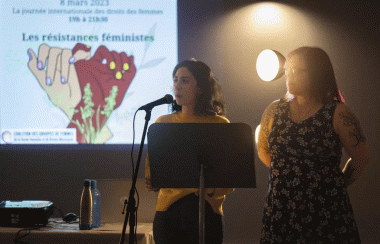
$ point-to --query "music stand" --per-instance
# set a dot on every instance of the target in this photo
(201, 155)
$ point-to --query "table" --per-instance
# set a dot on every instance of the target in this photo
(58, 231)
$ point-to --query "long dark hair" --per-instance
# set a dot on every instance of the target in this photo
(209, 100)
(323, 83)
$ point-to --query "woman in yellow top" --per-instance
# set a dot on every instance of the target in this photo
(198, 100)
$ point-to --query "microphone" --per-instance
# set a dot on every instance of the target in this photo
(167, 99)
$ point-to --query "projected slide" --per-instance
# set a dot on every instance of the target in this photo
(76, 71)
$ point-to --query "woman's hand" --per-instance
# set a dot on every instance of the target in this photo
(55, 71)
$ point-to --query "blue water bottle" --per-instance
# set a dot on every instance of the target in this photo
(96, 204)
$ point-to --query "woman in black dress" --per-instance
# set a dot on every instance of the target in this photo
(301, 138)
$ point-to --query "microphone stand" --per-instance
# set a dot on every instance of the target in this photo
(131, 203)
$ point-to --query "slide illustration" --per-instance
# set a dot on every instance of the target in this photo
(87, 89)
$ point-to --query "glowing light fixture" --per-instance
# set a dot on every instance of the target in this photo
(270, 65)
(267, 15)
(257, 130)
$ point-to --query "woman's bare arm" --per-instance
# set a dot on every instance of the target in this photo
(347, 125)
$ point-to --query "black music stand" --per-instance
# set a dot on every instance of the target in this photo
(201, 155)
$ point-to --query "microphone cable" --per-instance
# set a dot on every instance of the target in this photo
(133, 176)
(133, 143)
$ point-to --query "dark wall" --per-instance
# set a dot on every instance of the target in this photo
(57, 173)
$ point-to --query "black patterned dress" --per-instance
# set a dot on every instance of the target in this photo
(307, 199)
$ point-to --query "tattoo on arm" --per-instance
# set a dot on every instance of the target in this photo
(268, 115)
(349, 119)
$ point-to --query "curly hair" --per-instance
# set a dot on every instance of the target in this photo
(209, 100)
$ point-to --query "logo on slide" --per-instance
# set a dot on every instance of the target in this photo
(7, 137)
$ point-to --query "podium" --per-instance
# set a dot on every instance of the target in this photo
(201, 155)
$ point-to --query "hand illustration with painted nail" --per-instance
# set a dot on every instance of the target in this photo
(104, 80)
(55, 71)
